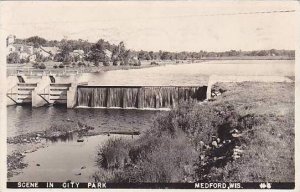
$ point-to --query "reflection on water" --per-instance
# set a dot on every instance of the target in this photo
(24, 119)
(63, 138)
(62, 161)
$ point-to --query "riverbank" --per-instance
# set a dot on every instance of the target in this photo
(27, 67)
(245, 135)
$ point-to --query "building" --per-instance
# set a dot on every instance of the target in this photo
(23, 50)
(10, 40)
(77, 54)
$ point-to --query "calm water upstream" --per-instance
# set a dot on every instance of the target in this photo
(193, 74)
(63, 161)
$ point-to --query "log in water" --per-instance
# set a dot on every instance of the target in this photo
(149, 97)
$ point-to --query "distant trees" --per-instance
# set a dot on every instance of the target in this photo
(144, 55)
(36, 41)
(105, 53)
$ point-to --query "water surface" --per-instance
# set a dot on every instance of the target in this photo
(62, 161)
(25, 119)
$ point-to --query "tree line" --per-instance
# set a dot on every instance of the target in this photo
(110, 54)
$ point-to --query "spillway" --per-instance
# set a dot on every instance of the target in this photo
(140, 97)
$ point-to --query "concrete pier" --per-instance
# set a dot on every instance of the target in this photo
(42, 87)
(72, 96)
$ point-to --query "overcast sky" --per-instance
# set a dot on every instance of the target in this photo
(172, 26)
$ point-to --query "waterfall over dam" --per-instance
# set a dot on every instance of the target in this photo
(141, 97)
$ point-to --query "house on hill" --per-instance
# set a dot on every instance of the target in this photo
(78, 53)
(24, 51)
(10, 40)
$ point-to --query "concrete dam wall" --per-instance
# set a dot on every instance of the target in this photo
(141, 97)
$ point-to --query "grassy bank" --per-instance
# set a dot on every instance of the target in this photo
(245, 135)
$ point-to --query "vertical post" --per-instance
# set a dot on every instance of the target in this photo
(211, 81)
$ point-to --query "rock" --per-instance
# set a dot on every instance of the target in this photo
(27, 151)
(214, 143)
(78, 174)
(234, 131)
(80, 140)
(38, 165)
(83, 167)
(236, 135)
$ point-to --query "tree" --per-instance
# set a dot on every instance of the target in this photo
(143, 55)
(66, 49)
(36, 41)
(166, 55)
(151, 55)
(13, 57)
(262, 53)
(97, 53)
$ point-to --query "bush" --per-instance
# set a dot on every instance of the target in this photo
(42, 66)
(61, 65)
(81, 64)
(116, 62)
(138, 63)
(105, 63)
(114, 154)
(13, 57)
(55, 66)
(148, 160)
(67, 63)
(154, 63)
(35, 65)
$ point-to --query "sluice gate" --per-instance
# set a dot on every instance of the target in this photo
(141, 97)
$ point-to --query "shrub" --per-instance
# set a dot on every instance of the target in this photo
(42, 66)
(114, 154)
(61, 65)
(138, 63)
(81, 64)
(35, 65)
(154, 63)
(166, 160)
(116, 62)
(55, 66)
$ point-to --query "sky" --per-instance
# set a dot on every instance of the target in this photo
(170, 26)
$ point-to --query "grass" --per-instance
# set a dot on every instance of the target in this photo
(178, 148)
(269, 147)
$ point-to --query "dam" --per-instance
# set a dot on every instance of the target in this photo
(71, 91)
(140, 97)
